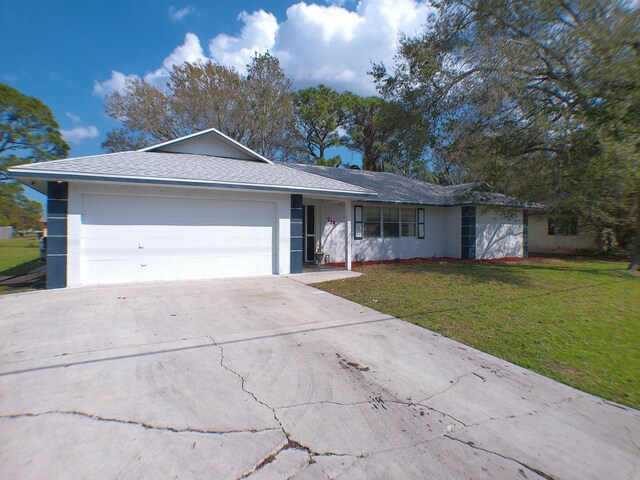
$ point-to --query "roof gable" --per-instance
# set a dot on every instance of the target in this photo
(210, 142)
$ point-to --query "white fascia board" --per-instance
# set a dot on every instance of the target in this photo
(205, 132)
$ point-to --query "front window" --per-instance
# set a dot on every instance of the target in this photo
(563, 226)
(388, 222)
(371, 222)
(408, 225)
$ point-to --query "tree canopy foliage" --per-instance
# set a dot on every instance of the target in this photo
(28, 130)
(255, 109)
(28, 133)
(538, 97)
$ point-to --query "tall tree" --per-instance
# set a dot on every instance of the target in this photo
(270, 100)
(28, 130)
(365, 131)
(320, 113)
(539, 97)
(28, 133)
(256, 109)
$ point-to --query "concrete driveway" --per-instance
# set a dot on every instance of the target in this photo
(270, 378)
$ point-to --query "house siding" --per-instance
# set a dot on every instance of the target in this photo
(440, 224)
(541, 242)
(499, 233)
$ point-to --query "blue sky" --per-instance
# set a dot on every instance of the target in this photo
(70, 54)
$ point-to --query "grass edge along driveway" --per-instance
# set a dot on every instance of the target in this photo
(576, 321)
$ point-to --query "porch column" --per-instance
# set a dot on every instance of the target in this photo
(348, 233)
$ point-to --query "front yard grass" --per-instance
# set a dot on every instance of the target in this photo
(576, 321)
(19, 255)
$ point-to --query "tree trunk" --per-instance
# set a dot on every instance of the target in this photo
(635, 249)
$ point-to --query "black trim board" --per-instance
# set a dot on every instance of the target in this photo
(296, 234)
(57, 208)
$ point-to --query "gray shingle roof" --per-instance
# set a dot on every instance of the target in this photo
(155, 167)
(187, 168)
(392, 188)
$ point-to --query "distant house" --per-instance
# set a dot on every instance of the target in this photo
(552, 233)
(205, 206)
(6, 233)
(43, 224)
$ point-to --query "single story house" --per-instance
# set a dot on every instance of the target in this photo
(205, 206)
(553, 233)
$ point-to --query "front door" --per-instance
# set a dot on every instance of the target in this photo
(309, 245)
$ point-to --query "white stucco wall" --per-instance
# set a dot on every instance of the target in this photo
(541, 242)
(442, 236)
(499, 233)
(80, 190)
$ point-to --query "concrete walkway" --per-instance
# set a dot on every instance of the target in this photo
(270, 378)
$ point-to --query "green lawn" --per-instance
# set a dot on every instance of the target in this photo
(19, 255)
(577, 321)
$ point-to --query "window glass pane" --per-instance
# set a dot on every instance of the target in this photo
(391, 230)
(390, 214)
(421, 230)
(371, 214)
(408, 215)
(371, 229)
(408, 218)
(358, 215)
(358, 230)
(408, 229)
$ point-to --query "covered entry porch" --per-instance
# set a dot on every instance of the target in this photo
(322, 234)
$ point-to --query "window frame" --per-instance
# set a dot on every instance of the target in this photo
(420, 223)
(413, 222)
(563, 226)
(358, 225)
(359, 221)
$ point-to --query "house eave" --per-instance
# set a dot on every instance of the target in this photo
(25, 176)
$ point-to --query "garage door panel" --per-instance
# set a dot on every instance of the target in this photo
(128, 210)
(177, 231)
(185, 247)
(130, 239)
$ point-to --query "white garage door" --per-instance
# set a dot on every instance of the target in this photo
(146, 238)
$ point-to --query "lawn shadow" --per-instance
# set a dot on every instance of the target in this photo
(480, 272)
(21, 269)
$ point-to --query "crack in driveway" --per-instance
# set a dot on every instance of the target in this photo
(147, 426)
(470, 444)
(289, 443)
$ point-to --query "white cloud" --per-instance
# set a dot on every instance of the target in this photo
(177, 14)
(73, 117)
(257, 35)
(328, 43)
(315, 43)
(190, 51)
(116, 83)
(78, 134)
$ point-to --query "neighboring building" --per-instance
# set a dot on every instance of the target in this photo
(6, 233)
(43, 224)
(549, 233)
(205, 206)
